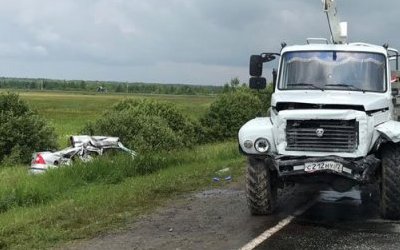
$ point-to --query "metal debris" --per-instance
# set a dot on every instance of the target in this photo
(83, 147)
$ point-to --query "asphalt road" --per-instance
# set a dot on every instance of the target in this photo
(338, 221)
(219, 219)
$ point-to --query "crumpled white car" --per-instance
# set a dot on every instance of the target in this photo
(82, 147)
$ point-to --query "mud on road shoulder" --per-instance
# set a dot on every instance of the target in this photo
(211, 219)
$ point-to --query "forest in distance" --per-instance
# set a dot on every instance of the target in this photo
(41, 84)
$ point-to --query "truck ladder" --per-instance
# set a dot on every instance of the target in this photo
(338, 29)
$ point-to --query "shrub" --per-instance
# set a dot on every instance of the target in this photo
(265, 98)
(175, 119)
(22, 131)
(146, 125)
(229, 112)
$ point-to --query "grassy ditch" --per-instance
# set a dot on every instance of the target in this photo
(81, 201)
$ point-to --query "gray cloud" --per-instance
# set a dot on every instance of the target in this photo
(180, 41)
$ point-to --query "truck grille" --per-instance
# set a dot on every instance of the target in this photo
(322, 135)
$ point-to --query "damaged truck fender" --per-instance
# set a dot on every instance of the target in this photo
(390, 131)
(256, 137)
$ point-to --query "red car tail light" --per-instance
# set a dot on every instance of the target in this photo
(39, 159)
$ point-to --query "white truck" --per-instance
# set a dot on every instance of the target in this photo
(331, 120)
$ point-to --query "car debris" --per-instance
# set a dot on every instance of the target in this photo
(82, 147)
(223, 174)
(224, 170)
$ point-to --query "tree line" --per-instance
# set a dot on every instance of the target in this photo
(108, 86)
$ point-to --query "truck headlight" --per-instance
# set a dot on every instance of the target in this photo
(261, 145)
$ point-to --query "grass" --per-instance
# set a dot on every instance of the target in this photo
(86, 208)
(82, 201)
(25, 190)
(70, 112)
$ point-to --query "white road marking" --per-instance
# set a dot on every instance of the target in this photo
(267, 234)
(271, 231)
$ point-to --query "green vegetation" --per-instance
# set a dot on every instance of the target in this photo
(101, 199)
(106, 87)
(146, 125)
(69, 112)
(232, 109)
(83, 200)
(228, 113)
(21, 131)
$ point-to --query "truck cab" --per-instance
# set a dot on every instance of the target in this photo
(332, 121)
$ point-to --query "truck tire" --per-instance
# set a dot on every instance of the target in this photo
(261, 193)
(390, 185)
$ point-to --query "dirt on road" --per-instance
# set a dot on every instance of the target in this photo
(212, 219)
(219, 219)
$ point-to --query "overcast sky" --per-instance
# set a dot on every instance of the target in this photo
(169, 41)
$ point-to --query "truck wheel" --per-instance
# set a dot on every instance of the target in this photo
(390, 185)
(261, 193)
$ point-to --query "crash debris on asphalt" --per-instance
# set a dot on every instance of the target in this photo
(82, 147)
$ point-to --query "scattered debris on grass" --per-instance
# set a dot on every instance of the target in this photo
(223, 174)
(216, 179)
(224, 170)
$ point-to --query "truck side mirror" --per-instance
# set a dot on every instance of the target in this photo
(256, 65)
(258, 83)
(274, 78)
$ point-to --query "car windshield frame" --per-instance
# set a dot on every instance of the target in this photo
(340, 85)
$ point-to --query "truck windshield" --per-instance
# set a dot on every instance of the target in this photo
(333, 70)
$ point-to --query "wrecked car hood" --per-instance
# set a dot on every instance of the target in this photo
(82, 146)
(370, 101)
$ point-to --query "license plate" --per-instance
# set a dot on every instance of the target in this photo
(325, 165)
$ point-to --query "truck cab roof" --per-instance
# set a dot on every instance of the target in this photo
(358, 47)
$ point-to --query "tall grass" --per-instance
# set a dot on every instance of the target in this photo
(24, 190)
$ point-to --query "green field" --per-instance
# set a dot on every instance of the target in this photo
(69, 112)
(85, 200)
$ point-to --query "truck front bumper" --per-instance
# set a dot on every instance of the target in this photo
(361, 170)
